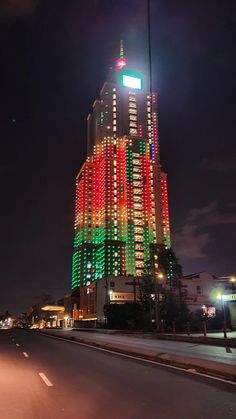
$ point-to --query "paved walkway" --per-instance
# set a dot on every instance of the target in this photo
(224, 355)
(209, 334)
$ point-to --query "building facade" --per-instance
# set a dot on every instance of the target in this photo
(201, 290)
(121, 211)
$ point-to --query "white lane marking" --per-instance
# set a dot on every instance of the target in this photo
(212, 377)
(17, 344)
(25, 354)
(45, 379)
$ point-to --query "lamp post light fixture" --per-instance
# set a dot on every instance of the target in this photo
(157, 297)
(221, 298)
(232, 280)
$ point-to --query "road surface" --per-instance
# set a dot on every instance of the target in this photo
(187, 349)
(43, 377)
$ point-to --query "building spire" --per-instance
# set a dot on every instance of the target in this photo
(121, 62)
(121, 49)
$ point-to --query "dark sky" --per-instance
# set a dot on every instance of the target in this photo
(55, 57)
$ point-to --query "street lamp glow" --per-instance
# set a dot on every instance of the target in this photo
(219, 296)
(232, 279)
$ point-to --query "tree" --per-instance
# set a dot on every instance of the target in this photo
(146, 293)
(169, 265)
(41, 300)
(6, 315)
(174, 309)
(125, 316)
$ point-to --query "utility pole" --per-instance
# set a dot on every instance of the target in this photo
(157, 301)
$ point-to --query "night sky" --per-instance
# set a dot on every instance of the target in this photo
(55, 56)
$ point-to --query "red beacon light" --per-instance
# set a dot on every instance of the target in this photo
(121, 63)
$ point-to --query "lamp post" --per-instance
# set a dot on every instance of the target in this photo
(221, 297)
(157, 298)
(232, 280)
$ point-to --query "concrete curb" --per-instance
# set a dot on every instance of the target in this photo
(205, 340)
(215, 369)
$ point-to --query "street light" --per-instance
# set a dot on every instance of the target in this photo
(157, 297)
(221, 297)
(232, 279)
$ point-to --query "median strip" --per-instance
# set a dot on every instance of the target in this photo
(45, 379)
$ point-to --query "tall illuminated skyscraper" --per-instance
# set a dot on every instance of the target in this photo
(121, 215)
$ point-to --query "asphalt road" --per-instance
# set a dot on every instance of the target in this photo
(78, 382)
(186, 349)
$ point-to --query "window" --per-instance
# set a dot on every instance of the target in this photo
(137, 199)
(138, 255)
(133, 124)
(138, 246)
(137, 205)
(133, 131)
(133, 111)
(138, 222)
(137, 214)
(198, 288)
(132, 105)
(133, 118)
(139, 264)
(138, 230)
(132, 98)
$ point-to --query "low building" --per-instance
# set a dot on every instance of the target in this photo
(54, 316)
(116, 290)
(202, 290)
(112, 290)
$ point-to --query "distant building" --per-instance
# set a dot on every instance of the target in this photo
(202, 289)
(121, 216)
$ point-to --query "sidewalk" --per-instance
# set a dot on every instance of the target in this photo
(219, 335)
(214, 339)
(158, 351)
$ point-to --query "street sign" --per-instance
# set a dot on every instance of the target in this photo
(229, 297)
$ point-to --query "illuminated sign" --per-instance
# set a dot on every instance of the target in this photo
(134, 82)
(229, 297)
